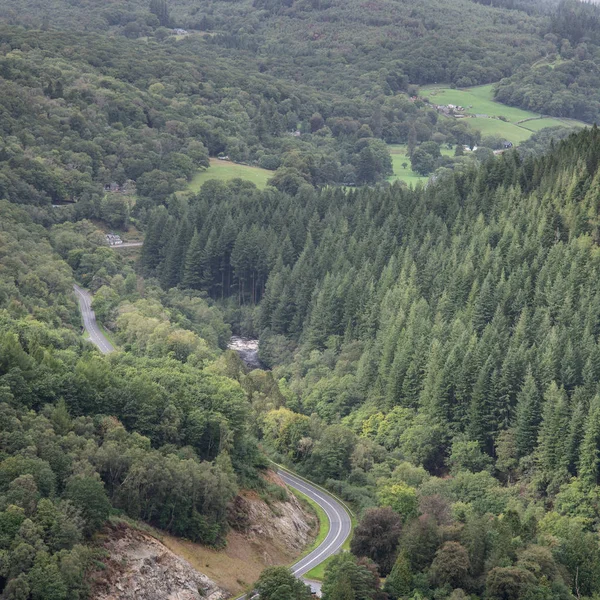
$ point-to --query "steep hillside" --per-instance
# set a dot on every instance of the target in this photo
(436, 349)
(263, 534)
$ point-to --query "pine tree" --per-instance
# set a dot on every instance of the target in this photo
(589, 462)
(555, 422)
(195, 263)
(173, 265)
(399, 582)
(576, 431)
(342, 590)
(485, 304)
(161, 10)
(151, 250)
(366, 169)
(528, 416)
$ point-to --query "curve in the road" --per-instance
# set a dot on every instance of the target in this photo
(340, 522)
(89, 321)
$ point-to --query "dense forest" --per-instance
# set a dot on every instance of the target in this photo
(445, 339)
(375, 49)
(431, 353)
(157, 433)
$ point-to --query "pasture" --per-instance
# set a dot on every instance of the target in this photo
(399, 157)
(225, 170)
(516, 125)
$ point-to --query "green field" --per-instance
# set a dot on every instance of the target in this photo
(398, 152)
(477, 101)
(480, 101)
(538, 124)
(224, 170)
(495, 127)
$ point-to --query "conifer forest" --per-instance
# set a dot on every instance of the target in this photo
(423, 289)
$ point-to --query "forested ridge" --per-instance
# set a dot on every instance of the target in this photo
(543, 53)
(431, 352)
(437, 350)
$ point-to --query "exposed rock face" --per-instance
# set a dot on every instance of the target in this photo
(141, 568)
(284, 524)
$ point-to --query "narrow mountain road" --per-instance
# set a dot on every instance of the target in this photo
(340, 523)
(89, 321)
(340, 527)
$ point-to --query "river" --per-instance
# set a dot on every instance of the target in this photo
(247, 348)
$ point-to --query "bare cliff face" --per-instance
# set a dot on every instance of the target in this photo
(264, 533)
(142, 568)
(283, 526)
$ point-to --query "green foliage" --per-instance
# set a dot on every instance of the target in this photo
(402, 498)
(399, 582)
(278, 583)
(345, 569)
(451, 565)
(88, 495)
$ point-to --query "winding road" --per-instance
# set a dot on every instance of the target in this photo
(89, 321)
(340, 523)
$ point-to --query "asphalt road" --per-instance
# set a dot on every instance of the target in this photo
(340, 523)
(89, 321)
(340, 527)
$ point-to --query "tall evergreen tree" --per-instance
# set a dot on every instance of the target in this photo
(552, 438)
(528, 416)
(589, 462)
(161, 10)
(195, 264)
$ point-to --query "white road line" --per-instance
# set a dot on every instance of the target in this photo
(336, 517)
(339, 524)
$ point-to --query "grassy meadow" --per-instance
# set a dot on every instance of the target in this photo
(519, 124)
(399, 157)
(224, 170)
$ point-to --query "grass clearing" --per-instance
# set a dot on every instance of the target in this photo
(481, 101)
(537, 124)
(406, 174)
(519, 125)
(225, 170)
(496, 127)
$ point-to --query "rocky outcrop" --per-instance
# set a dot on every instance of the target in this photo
(285, 524)
(267, 530)
(140, 567)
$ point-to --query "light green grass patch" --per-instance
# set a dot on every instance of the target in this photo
(538, 124)
(477, 100)
(496, 127)
(399, 157)
(398, 153)
(519, 125)
(224, 170)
